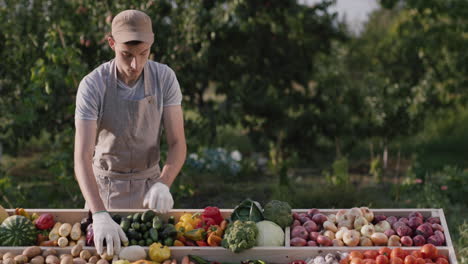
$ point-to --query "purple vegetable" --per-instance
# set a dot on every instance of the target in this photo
(90, 236)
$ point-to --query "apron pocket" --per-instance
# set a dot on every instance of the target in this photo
(119, 194)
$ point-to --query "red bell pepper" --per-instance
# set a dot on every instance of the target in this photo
(213, 213)
(201, 243)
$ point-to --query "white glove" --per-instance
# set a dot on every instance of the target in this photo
(159, 198)
(105, 228)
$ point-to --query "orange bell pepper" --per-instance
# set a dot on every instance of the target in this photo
(214, 240)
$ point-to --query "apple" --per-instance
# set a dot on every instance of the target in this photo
(351, 238)
(406, 241)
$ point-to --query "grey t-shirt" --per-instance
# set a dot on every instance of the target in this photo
(90, 95)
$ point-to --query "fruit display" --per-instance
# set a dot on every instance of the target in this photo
(360, 227)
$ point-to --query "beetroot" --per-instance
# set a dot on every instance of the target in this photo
(404, 231)
(425, 230)
(319, 218)
(435, 240)
(299, 231)
(433, 220)
(419, 241)
(311, 226)
(416, 214)
(298, 242)
(414, 222)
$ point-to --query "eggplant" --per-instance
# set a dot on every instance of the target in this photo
(89, 236)
(85, 222)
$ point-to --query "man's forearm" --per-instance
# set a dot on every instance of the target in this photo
(87, 181)
(175, 159)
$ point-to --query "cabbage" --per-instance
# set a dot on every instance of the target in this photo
(269, 234)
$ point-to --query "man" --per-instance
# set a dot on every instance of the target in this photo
(121, 108)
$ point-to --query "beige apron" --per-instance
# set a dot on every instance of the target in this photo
(126, 157)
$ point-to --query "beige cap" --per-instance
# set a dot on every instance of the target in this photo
(131, 25)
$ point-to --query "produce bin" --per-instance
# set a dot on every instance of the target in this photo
(282, 255)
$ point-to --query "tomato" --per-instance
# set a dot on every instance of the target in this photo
(396, 260)
(442, 256)
(441, 261)
(428, 260)
(369, 261)
(370, 254)
(410, 260)
(385, 251)
(429, 251)
(417, 254)
(381, 259)
(356, 254)
(356, 261)
(420, 261)
(344, 260)
(397, 253)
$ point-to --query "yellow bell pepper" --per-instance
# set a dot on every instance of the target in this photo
(196, 234)
(159, 253)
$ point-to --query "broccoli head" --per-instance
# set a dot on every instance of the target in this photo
(278, 212)
(240, 235)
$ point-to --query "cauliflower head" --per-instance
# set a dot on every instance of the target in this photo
(240, 235)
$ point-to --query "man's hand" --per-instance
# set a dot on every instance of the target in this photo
(159, 198)
(106, 229)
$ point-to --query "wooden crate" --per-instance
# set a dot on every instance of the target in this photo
(282, 255)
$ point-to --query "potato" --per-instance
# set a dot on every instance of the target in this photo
(52, 259)
(93, 259)
(1, 256)
(79, 261)
(49, 251)
(8, 255)
(31, 252)
(85, 254)
(37, 260)
(106, 257)
(62, 242)
(76, 250)
(65, 256)
(66, 260)
(102, 261)
(9, 261)
(21, 259)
